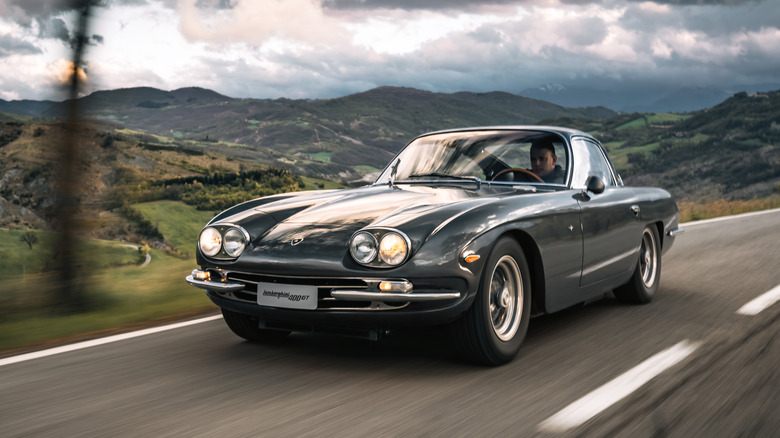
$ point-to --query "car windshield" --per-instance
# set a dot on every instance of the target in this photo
(488, 155)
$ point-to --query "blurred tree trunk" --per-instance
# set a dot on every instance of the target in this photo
(70, 295)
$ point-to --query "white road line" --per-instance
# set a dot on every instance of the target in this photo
(755, 306)
(615, 390)
(725, 218)
(101, 341)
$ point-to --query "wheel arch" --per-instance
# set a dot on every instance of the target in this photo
(535, 265)
(660, 228)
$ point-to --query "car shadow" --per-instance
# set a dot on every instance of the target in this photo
(418, 348)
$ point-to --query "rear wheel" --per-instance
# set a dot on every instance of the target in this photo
(494, 327)
(643, 285)
(248, 327)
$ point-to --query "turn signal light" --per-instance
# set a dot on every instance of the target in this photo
(395, 286)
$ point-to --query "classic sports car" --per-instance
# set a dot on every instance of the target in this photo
(479, 228)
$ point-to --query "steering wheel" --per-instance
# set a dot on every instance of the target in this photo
(530, 176)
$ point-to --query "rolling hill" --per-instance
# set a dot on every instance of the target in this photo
(361, 129)
(142, 137)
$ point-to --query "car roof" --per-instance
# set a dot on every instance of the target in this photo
(565, 132)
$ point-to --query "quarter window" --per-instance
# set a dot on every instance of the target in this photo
(590, 161)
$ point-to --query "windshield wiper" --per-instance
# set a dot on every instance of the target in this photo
(443, 176)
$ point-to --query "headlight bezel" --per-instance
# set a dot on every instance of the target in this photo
(210, 241)
(365, 238)
(236, 233)
(379, 234)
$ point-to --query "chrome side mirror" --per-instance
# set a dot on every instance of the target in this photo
(594, 185)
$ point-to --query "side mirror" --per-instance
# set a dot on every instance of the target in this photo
(595, 185)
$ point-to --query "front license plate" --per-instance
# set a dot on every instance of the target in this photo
(288, 296)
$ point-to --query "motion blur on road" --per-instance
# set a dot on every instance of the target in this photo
(201, 380)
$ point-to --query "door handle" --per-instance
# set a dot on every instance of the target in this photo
(635, 210)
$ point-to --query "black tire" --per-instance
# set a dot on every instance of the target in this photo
(643, 285)
(247, 327)
(493, 329)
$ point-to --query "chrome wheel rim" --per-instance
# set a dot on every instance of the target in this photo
(506, 298)
(648, 259)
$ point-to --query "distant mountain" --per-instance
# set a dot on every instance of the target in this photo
(640, 100)
(361, 129)
(33, 108)
(683, 100)
(127, 99)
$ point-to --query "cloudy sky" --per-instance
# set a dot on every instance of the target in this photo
(330, 48)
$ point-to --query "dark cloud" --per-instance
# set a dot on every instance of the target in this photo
(47, 14)
(55, 28)
(415, 4)
(42, 10)
(13, 46)
(216, 4)
(704, 2)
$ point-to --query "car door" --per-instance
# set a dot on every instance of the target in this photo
(610, 228)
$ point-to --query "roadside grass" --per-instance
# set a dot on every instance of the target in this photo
(120, 290)
(696, 211)
(123, 296)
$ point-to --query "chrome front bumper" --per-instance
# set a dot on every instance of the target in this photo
(202, 280)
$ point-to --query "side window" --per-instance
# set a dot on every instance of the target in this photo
(590, 161)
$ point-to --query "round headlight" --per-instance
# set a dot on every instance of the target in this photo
(210, 241)
(363, 247)
(235, 242)
(393, 249)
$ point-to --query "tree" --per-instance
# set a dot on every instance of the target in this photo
(29, 237)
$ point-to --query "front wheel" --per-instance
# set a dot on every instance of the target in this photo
(642, 286)
(494, 327)
(248, 327)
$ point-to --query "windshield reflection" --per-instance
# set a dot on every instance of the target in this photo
(459, 155)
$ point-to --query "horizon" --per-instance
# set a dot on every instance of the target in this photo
(747, 89)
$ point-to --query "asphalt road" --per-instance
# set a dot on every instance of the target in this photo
(688, 364)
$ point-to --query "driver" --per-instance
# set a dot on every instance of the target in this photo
(543, 162)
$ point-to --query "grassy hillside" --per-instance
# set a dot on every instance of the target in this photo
(179, 223)
(364, 129)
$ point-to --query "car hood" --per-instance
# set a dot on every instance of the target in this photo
(313, 225)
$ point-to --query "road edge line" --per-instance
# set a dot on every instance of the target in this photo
(107, 340)
(733, 216)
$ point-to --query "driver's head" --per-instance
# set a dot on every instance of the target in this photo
(543, 157)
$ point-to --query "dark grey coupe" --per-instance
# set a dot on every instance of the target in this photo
(478, 228)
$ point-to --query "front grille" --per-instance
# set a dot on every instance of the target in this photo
(324, 288)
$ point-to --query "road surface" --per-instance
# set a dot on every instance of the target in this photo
(698, 361)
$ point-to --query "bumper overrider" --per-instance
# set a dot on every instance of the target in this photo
(341, 301)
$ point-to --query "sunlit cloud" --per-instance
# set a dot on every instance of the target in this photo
(62, 71)
(328, 48)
